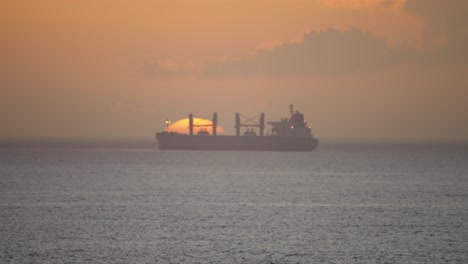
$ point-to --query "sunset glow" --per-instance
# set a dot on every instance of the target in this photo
(199, 124)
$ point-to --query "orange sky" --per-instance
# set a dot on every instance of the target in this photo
(358, 70)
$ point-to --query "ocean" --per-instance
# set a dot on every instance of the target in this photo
(342, 203)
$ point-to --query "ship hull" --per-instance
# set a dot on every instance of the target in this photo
(176, 141)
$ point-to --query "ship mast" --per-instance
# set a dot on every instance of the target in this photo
(168, 122)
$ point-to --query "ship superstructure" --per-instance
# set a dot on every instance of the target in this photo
(292, 127)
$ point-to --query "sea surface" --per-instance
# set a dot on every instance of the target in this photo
(342, 203)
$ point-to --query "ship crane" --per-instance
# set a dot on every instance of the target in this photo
(250, 122)
(213, 125)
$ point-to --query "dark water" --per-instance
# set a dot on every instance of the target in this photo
(338, 204)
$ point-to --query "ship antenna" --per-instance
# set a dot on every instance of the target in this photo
(291, 109)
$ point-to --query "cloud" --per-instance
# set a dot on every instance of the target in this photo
(166, 67)
(357, 4)
(321, 52)
(334, 51)
(447, 28)
(348, 51)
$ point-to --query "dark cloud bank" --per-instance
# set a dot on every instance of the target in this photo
(447, 18)
(334, 51)
(323, 52)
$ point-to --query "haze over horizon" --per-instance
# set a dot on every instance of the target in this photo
(366, 70)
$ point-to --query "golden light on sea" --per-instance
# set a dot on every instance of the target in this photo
(182, 126)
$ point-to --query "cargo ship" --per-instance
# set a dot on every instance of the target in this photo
(287, 134)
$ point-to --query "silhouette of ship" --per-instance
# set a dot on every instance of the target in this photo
(288, 134)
